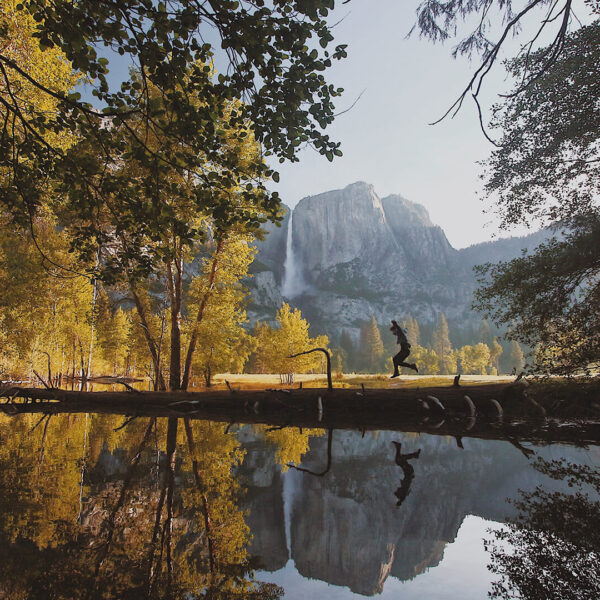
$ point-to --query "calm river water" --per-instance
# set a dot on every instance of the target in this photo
(93, 506)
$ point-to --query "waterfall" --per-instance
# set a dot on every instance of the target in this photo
(293, 280)
(289, 488)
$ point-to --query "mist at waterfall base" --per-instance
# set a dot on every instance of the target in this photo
(293, 283)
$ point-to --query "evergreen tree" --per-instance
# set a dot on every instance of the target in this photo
(443, 348)
(414, 332)
(485, 333)
(371, 346)
(349, 350)
(516, 357)
(337, 360)
(495, 353)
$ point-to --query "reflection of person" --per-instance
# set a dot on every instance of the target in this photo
(398, 360)
(407, 469)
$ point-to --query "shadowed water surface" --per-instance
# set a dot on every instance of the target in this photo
(96, 506)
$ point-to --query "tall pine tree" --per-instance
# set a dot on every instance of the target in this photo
(372, 350)
(443, 348)
(414, 332)
(495, 353)
(349, 351)
(516, 357)
(485, 333)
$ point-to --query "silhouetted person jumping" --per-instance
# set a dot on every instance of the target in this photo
(404, 350)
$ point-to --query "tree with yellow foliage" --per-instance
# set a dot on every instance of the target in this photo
(426, 358)
(151, 225)
(276, 345)
(46, 312)
(475, 359)
(112, 337)
(32, 132)
(223, 344)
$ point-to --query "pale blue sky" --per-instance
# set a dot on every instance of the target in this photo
(386, 138)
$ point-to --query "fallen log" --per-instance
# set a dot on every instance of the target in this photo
(579, 433)
(400, 401)
(401, 410)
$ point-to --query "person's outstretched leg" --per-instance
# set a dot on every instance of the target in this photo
(399, 361)
(396, 361)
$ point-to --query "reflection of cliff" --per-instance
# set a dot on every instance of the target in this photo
(264, 505)
(265, 509)
(350, 531)
(346, 528)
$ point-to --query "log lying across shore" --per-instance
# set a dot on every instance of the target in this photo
(495, 411)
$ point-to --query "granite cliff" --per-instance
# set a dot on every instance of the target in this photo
(353, 254)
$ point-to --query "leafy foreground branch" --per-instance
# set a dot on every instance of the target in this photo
(547, 170)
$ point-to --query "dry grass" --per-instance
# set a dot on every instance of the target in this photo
(375, 380)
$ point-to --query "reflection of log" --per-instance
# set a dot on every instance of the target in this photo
(379, 409)
(327, 466)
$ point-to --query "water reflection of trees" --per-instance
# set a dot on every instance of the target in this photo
(80, 518)
(552, 549)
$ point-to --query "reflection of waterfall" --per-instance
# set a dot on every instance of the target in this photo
(293, 281)
(289, 486)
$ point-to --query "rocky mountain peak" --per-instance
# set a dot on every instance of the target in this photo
(340, 226)
(402, 213)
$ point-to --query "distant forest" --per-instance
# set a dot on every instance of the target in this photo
(442, 347)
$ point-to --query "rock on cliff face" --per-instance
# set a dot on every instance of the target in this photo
(343, 226)
(351, 236)
(425, 244)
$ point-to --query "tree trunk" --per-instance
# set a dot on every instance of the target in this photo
(200, 315)
(93, 326)
(208, 376)
(174, 286)
(160, 381)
